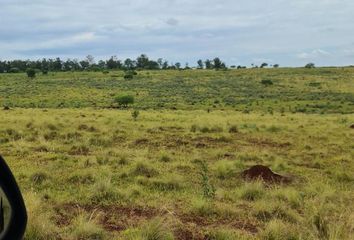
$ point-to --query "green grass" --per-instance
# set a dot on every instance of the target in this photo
(93, 173)
(320, 90)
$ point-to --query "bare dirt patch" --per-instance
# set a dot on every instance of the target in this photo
(119, 218)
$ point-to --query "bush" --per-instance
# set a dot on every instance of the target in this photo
(267, 82)
(31, 73)
(124, 101)
(130, 74)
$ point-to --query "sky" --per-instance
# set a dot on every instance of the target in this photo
(240, 32)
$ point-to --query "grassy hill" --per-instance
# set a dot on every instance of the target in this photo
(322, 90)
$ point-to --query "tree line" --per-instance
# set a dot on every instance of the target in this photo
(113, 63)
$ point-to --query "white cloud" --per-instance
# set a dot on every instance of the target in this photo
(180, 30)
(316, 53)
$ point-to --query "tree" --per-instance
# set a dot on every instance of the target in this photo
(276, 65)
(208, 64)
(124, 100)
(178, 65)
(129, 64)
(263, 65)
(31, 73)
(217, 63)
(200, 64)
(90, 59)
(142, 61)
(310, 65)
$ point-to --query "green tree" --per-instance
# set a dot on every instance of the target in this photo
(310, 65)
(31, 73)
(200, 64)
(263, 65)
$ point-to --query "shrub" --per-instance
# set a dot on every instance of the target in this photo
(31, 73)
(267, 82)
(124, 100)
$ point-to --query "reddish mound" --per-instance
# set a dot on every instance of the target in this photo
(264, 173)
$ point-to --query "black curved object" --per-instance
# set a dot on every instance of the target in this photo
(18, 218)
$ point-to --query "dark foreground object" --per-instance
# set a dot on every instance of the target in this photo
(263, 173)
(352, 126)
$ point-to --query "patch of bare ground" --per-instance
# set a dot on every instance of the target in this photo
(267, 143)
(119, 218)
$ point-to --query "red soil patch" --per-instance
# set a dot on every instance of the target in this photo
(118, 218)
(268, 143)
(264, 173)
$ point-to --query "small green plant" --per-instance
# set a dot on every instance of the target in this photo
(208, 188)
(135, 114)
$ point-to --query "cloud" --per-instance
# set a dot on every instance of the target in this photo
(286, 32)
(316, 53)
(172, 22)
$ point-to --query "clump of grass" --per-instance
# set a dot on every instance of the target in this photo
(81, 179)
(86, 226)
(155, 229)
(226, 234)
(278, 230)
(292, 197)
(233, 129)
(224, 169)
(39, 178)
(273, 129)
(202, 207)
(171, 183)
(39, 224)
(123, 160)
(142, 169)
(104, 191)
(266, 211)
(252, 191)
(165, 158)
(79, 150)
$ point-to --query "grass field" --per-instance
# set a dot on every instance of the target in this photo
(91, 172)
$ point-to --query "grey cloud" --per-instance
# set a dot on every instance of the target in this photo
(241, 32)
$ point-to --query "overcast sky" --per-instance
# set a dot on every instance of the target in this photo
(288, 32)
